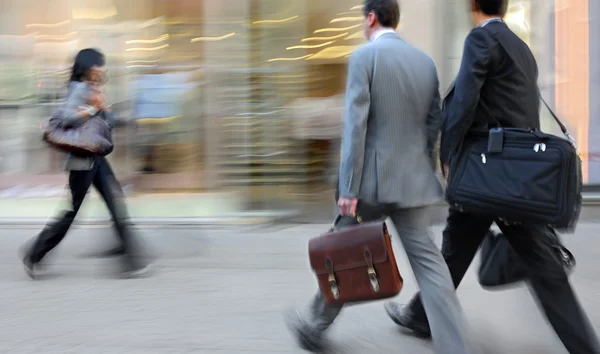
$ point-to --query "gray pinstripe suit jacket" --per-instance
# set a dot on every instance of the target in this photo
(392, 124)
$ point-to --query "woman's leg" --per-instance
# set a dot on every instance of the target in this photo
(112, 193)
(53, 233)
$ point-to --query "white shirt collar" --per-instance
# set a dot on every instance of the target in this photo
(381, 32)
(489, 20)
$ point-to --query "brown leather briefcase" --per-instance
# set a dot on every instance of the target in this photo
(355, 264)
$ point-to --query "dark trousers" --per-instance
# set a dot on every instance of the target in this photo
(103, 179)
(462, 237)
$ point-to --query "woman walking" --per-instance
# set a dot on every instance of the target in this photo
(86, 100)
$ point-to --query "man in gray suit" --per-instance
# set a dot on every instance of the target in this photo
(392, 123)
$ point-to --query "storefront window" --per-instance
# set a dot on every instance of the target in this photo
(236, 95)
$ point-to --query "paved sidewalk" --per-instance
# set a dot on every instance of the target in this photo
(223, 291)
(181, 205)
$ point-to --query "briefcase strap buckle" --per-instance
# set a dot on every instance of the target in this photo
(335, 290)
(371, 271)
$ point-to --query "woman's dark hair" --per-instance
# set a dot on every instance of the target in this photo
(84, 61)
(387, 11)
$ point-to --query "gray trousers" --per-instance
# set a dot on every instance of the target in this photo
(445, 314)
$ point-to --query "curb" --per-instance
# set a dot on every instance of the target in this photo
(237, 220)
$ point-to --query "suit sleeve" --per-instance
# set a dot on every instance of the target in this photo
(471, 77)
(78, 97)
(434, 122)
(358, 100)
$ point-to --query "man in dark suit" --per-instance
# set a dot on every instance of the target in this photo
(496, 86)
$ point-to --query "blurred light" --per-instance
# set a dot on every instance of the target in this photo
(141, 61)
(290, 59)
(48, 25)
(147, 49)
(323, 38)
(212, 39)
(275, 21)
(333, 52)
(357, 7)
(348, 13)
(336, 29)
(156, 40)
(517, 18)
(347, 19)
(356, 35)
(56, 37)
(94, 14)
(309, 46)
(140, 66)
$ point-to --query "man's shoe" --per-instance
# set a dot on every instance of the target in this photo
(402, 316)
(307, 339)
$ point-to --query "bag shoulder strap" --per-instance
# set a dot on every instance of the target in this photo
(562, 127)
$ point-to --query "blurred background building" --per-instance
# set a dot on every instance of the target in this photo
(242, 99)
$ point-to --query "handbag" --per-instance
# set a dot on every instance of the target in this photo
(354, 262)
(519, 175)
(501, 266)
(91, 138)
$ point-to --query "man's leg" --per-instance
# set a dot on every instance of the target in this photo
(437, 291)
(551, 285)
(309, 326)
(461, 240)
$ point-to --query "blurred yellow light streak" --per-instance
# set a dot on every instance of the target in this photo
(356, 35)
(309, 46)
(141, 61)
(149, 41)
(346, 19)
(275, 21)
(140, 66)
(336, 29)
(56, 37)
(48, 25)
(212, 39)
(286, 76)
(323, 38)
(290, 59)
(348, 13)
(357, 7)
(147, 49)
(33, 34)
(157, 120)
(93, 14)
(333, 52)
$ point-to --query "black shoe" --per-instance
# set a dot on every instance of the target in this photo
(113, 252)
(29, 267)
(136, 270)
(307, 339)
(403, 317)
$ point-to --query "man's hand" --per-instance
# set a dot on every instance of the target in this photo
(446, 170)
(347, 206)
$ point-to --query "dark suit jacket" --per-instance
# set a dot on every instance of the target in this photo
(491, 89)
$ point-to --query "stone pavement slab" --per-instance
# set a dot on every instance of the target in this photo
(222, 291)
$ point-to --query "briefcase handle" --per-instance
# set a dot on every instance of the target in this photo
(339, 217)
